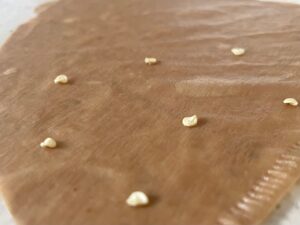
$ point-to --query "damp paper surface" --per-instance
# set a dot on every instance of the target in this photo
(118, 121)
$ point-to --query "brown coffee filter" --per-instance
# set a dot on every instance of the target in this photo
(118, 122)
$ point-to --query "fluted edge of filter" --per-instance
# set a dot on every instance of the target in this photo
(268, 187)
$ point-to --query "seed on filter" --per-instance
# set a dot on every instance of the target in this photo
(137, 198)
(290, 101)
(190, 121)
(61, 79)
(70, 20)
(150, 61)
(48, 143)
(238, 51)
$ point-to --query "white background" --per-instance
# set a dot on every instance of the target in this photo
(15, 12)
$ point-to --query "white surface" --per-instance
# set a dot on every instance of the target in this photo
(5, 217)
(16, 12)
(288, 212)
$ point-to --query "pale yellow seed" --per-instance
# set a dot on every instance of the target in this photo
(48, 143)
(238, 51)
(290, 101)
(190, 121)
(150, 61)
(61, 79)
(137, 198)
(70, 20)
